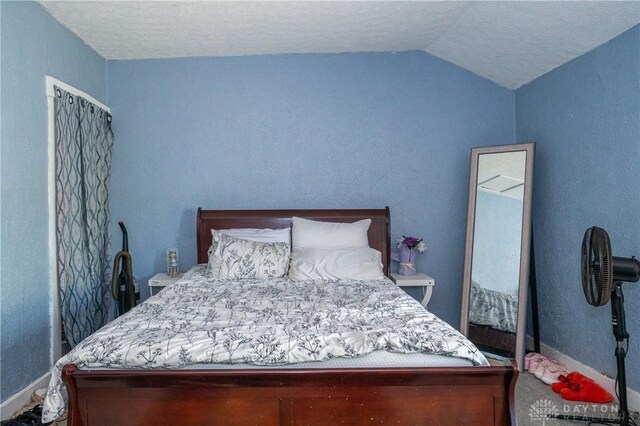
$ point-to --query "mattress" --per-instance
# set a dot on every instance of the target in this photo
(379, 359)
(204, 322)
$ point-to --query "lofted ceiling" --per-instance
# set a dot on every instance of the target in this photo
(508, 42)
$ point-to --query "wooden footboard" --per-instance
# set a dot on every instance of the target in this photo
(433, 396)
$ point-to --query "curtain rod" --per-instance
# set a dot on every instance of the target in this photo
(50, 81)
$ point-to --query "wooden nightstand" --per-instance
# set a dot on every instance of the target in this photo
(417, 280)
(160, 281)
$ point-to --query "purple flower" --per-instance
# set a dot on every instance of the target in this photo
(412, 243)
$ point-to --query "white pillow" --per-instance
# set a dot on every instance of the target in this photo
(334, 264)
(233, 258)
(310, 233)
(260, 235)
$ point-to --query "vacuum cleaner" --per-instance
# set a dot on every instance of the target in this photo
(123, 286)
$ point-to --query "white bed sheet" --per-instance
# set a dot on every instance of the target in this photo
(379, 359)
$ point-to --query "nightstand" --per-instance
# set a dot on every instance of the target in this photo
(160, 281)
(417, 280)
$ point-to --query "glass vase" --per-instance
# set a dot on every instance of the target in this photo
(173, 269)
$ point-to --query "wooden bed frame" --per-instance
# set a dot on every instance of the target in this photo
(268, 396)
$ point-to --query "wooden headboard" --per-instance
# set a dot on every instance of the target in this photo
(379, 231)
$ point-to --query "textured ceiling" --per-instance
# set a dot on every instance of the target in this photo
(510, 42)
(502, 173)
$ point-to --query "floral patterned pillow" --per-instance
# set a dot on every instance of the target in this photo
(233, 258)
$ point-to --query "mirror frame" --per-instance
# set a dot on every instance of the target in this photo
(525, 245)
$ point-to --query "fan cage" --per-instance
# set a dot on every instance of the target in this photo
(597, 274)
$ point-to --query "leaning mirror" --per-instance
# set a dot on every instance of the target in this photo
(496, 265)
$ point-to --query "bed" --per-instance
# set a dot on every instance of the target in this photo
(324, 394)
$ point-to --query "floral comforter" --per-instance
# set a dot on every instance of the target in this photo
(493, 308)
(201, 320)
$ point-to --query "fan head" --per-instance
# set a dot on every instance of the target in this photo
(597, 273)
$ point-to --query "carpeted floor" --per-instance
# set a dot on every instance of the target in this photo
(534, 400)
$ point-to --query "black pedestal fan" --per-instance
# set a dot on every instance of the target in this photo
(602, 278)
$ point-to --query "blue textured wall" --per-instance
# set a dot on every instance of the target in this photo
(33, 44)
(585, 118)
(301, 131)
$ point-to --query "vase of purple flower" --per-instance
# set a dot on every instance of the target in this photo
(408, 249)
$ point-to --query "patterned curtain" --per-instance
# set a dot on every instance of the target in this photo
(84, 142)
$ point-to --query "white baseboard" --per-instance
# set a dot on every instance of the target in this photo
(23, 397)
(633, 397)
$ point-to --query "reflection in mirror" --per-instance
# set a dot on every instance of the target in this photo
(497, 249)
(495, 264)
